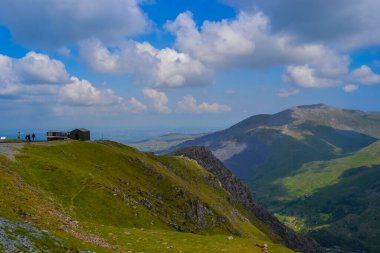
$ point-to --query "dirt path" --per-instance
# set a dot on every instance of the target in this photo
(10, 149)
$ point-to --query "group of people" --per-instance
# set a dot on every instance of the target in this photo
(28, 137)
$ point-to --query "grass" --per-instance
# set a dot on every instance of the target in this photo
(317, 177)
(320, 174)
(163, 142)
(107, 197)
(337, 201)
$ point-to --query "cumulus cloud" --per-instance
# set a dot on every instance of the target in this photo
(33, 68)
(244, 42)
(350, 88)
(365, 76)
(31, 78)
(216, 41)
(346, 23)
(248, 42)
(189, 105)
(135, 106)
(165, 67)
(288, 92)
(80, 96)
(60, 23)
(159, 100)
(309, 77)
(83, 93)
(35, 78)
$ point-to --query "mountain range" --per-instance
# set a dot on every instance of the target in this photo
(103, 196)
(315, 167)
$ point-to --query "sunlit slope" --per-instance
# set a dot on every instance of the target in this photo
(108, 197)
(311, 165)
(163, 142)
(336, 201)
(265, 148)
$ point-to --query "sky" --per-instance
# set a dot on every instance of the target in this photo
(182, 64)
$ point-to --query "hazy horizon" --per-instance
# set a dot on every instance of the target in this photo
(149, 64)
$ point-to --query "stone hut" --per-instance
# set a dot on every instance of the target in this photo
(80, 134)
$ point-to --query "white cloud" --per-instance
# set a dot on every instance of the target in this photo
(288, 92)
(32, 78)
(83, 93)
(42, 23)
(39, 68)
(217, 41)
(308, 77)
(135, 106)
(148, 65)
(33, 68)
(344, 23)
(247, 42)
(35, 78)
(189, 105)
(64, 51)
(80, 96)
(350, 88)
(364, 75)
(158, 100)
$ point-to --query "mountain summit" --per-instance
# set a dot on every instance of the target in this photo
(291, 158)
(300, 134)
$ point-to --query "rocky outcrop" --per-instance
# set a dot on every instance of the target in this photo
(19, 237)
(240, 192)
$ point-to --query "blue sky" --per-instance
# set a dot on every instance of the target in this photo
(176, 64)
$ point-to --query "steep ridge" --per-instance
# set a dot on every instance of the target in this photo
(281, 157)
(108, 197)
(265, 148)
(235, 186)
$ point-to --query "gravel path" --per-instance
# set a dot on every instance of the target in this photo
(10, 149)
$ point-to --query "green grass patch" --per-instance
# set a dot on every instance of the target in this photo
(108, 197)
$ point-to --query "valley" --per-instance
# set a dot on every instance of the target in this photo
(315, 167)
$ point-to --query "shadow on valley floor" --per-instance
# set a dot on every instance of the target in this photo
(346, 214)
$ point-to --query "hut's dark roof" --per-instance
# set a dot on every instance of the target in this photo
(81, 129)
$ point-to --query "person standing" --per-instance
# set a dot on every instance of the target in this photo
(28, 138)
(18, 135)
(33, 136)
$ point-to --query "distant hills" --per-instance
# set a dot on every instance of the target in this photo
(163, 142)
(316, 167)
(107, 197)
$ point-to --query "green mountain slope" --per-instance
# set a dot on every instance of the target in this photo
(238, 190)
(163, 142)
(270, 152)
(107, 197)
(337, 201)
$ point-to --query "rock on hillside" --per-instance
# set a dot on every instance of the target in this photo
(107, 197)
(235, 186)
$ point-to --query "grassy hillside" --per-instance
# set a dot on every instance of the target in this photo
(358, 121)
(107, 197)
(163, 142)
(336, 201)
(287, 155)
(303, 152)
